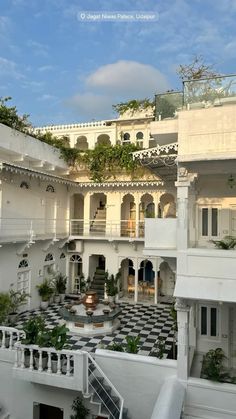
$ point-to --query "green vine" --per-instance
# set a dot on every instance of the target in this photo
(133, 106)
(103, 162)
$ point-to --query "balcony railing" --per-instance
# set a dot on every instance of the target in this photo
(167, 104)
(210, 91)
(107, 228)
(17, 228)
(68, 369)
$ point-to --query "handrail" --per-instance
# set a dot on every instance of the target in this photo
(9, 332)
(121, 400)
(70, 354)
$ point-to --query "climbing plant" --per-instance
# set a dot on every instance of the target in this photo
(133, 106)
(105, 161)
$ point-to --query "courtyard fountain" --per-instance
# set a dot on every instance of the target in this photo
(88, 316)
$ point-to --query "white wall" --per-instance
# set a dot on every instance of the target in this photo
(160, 233)
(137, 378)
(9, 262)
(17, 396)
(12, 141)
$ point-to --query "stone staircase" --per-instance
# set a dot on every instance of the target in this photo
(98, 282)
(98, 225)
(103, 397)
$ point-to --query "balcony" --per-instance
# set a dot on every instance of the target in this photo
(110, 229)
(18, 229)
(160, 236)
(207, 274)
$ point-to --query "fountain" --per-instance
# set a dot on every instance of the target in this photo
(89, 317)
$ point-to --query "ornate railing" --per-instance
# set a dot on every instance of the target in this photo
(9, 336)
(107, 228)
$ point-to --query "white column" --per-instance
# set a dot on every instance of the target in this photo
(156, 269)
(137, 202)
(183, 338)
(136, 280)
(86, 213)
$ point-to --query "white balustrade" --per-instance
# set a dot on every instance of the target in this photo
(107, 228)
(45, 360)
(8, 337)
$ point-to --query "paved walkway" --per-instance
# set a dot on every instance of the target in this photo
(149, 322)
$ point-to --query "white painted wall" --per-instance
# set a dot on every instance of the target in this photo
(18, 396)
(9, 262)
(13, 142)
(137, 378)
(160, 233)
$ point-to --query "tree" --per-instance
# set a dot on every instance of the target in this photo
(196, 70)
(9, 116)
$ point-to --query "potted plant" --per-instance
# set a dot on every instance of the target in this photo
(45, 291)
(5, 304)
(32, 328)
(60, 286)
(17, 300)
(111, 287)
(59, 341)
(80, 411)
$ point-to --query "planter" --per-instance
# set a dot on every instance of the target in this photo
(44, 361)
(44, 305)
(54, 365)
(12, 318)
(27, 359)
(62, 297)
(63, 365)
(57, 298)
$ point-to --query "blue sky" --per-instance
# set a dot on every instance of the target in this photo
(61, 70)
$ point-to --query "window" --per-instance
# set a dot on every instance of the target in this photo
(24, 185)
(126, 137)
(50, 188)
(209, 321)
(23, 264)
(209, 226)
(62, 256)
(49, 257)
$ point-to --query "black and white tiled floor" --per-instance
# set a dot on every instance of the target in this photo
(149, 322)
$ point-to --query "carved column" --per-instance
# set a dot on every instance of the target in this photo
(183, 338)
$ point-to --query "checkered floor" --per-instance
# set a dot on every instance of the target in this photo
(149, 322)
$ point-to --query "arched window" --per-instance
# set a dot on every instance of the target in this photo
(103, 139)
(139, 136)
(76, 259)
(23, 264)
(24, 185)
(49, 257)
(126, 137)
(81, 143)
(50, 188)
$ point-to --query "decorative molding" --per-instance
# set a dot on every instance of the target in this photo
(22, 247)
(181, 304)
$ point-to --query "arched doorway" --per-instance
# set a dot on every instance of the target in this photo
(128, 216)
(75, 273)
(146, 210)
(98, 214)
(167, 206)
(127, 279)
(146, 281)
(167, 280)
(77, 214)
(103, 139)
(81, 143)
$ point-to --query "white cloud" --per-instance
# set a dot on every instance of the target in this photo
(38, 48)
(45, 68)
(90, 105)
(46, 97)
(128, 78)
(9, 68)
